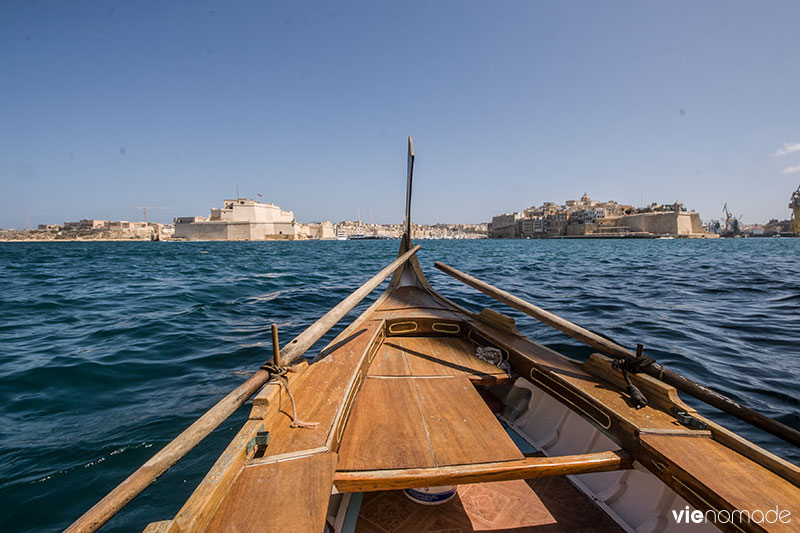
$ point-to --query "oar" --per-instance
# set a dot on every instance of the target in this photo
(115, 500)
(681, 382)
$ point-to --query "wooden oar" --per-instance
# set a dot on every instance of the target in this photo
(115, 500)
(528, 468)
(689, 386)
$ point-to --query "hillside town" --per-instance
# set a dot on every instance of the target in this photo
(244, 219)
(590, 218)
(359, 229)
(92, 230)
(248, 220)
(238, 220)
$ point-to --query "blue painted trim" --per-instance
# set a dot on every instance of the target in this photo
(353, 508)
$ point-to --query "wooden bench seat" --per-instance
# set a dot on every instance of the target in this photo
(263, 499)
(409, 422)
(434, 356)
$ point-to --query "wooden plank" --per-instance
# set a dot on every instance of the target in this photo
(389, 361)
(710, 475)
(165, 526)
(393, 314)
(488, 380)
(385, 429)
(526, 468)
(285, 496)
(346, 405)
(461, 427)
(410, 297)
(319, 392)
(431, 356)
(768, 460)
(269, 459)
(434, 356)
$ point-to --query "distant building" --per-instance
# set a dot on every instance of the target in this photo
(589, 217)
(665, 223)
(85, 224)
(506, 226)
(242, 220)
(322, 230)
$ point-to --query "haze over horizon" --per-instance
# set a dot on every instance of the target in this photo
(109, 106)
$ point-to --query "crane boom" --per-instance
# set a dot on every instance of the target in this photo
(144, 209)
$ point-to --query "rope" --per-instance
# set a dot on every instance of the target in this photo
(634, 366)
(279, 373)
(493, 356)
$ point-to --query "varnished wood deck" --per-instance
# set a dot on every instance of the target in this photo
(262, 500)
(411, 298)
(412, 422)
(723, 477)
(318, 395)
(433, 356)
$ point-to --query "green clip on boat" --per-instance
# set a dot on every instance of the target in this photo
(420, 401)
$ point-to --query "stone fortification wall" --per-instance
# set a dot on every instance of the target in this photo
(580, 229)
(239, 231)
(242, 220)
(203, 231)
(663, 223)
(323, 230)
(667, 223)
(504, 232)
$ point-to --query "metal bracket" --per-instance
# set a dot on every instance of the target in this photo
(685, 419)
(257, 446)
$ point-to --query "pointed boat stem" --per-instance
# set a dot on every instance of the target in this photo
(115, 500)
(679, 381)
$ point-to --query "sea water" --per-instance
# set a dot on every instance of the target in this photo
(109, 350)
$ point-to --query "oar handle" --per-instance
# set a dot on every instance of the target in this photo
(679, 381)
(126, 491)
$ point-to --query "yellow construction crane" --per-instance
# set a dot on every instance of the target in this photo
(794, 205)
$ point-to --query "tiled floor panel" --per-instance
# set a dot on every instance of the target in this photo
(543, 505)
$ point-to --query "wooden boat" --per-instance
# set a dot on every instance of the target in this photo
(402, 400)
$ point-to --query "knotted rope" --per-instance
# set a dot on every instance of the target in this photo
(493, 356)
(634, 366)
(279, 374)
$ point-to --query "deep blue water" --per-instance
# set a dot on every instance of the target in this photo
(109, 350)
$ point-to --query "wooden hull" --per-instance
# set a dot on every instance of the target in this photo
(402, 401)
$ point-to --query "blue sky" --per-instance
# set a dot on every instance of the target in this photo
(106, 106)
